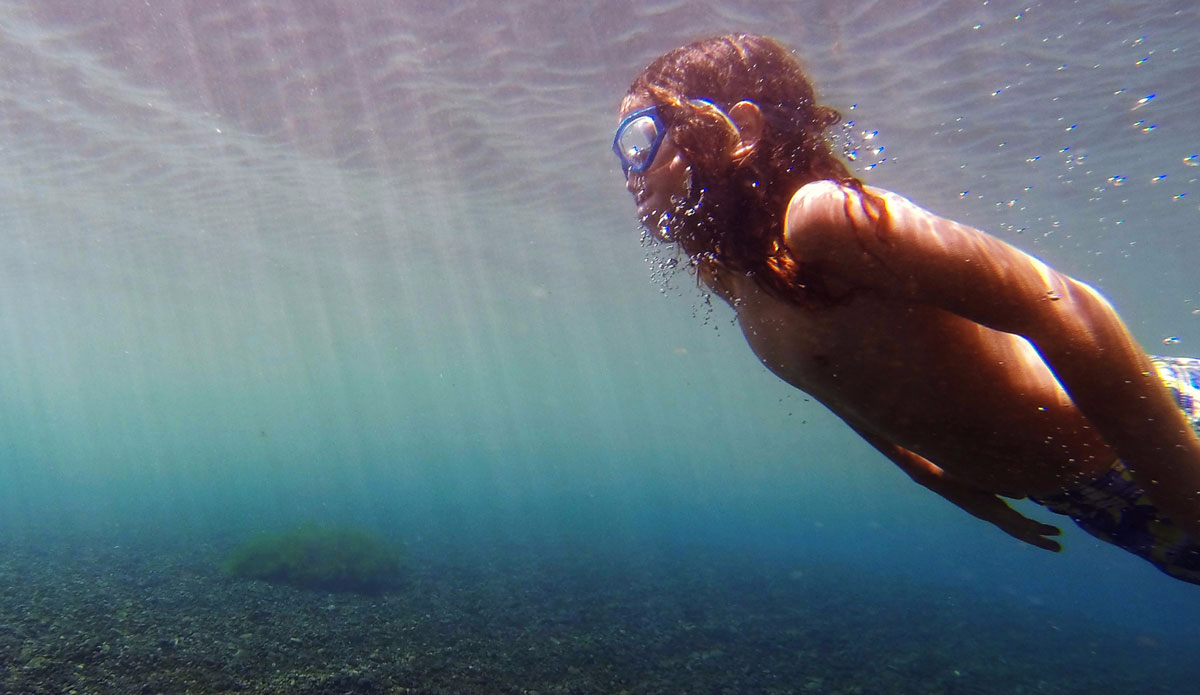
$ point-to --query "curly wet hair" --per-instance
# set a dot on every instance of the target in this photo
(739, 205)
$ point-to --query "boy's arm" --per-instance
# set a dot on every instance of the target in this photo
(886, 243)
(982, 505)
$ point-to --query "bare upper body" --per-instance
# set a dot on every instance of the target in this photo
(975, 367)
(949, 351)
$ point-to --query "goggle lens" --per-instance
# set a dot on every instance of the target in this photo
(637, 140)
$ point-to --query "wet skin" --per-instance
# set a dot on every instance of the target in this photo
(949, 353)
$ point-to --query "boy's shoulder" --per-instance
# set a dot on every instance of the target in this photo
(828, 191)
(821, 213)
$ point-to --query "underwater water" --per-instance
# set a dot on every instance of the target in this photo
(275, 262)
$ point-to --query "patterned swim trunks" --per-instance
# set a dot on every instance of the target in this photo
(1116, 509)
(1181, 375)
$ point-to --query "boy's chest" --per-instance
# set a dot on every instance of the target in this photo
(863, 347)
(930, 381)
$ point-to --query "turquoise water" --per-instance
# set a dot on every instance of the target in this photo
(272, 262)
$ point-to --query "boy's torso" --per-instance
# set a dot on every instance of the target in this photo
(979, 403)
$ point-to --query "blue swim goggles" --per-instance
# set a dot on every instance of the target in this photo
(638, 139)
(640, 134)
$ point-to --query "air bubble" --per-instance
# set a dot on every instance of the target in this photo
(1143, 101)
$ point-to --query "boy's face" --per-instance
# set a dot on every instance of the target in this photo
(659, 188)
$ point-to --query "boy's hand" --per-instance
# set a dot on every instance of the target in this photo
(983, 505)
(1029, 530)
(992, 508)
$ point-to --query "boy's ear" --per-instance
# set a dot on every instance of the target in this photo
(749, 121)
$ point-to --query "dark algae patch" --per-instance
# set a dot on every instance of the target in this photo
(319, 558)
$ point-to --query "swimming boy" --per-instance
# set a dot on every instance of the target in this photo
(980, 371)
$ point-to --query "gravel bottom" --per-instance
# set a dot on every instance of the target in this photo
(112, 619)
